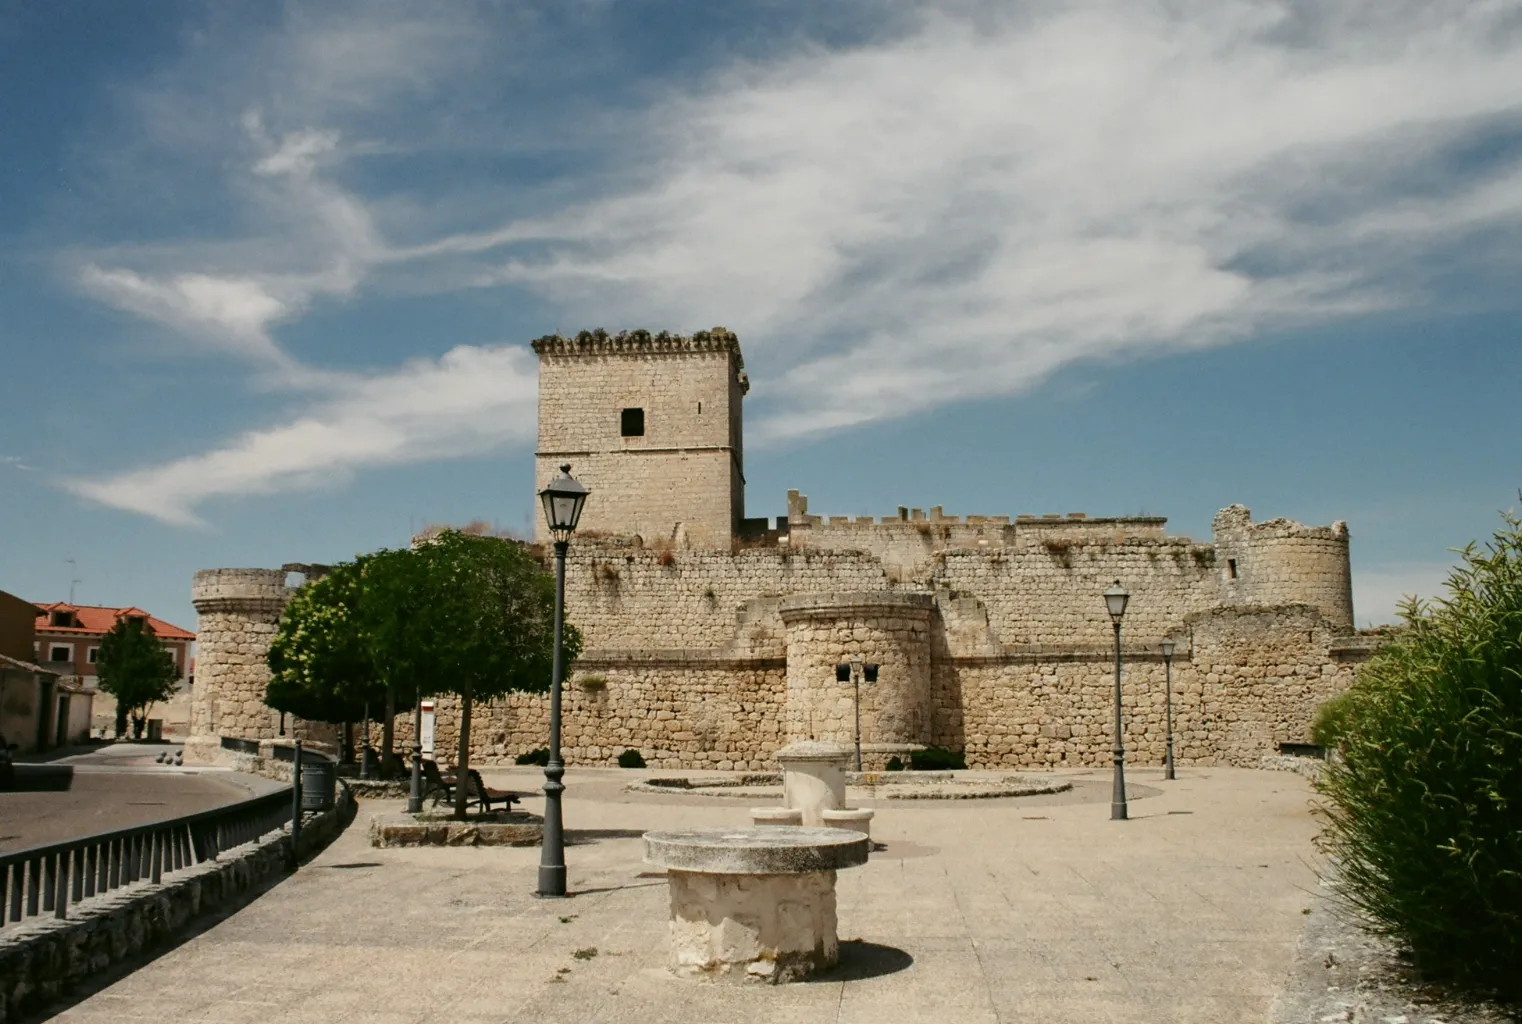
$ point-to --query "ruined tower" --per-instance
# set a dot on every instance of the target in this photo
(651, 423)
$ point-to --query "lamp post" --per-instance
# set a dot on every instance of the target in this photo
(415, 795)
(1168, 671)
(563, 499)
(364, 745)
(1115, 603)
(854, 673)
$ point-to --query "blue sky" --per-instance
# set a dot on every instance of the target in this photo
(268, 271)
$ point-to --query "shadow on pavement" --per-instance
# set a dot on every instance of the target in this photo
(578, 836)
(43, 778)
(862, 960)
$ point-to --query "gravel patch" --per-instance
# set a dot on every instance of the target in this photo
(1343, 972)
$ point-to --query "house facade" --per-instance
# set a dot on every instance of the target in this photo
(67, 642)
(35, 713)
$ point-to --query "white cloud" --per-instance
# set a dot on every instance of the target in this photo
(1377, 592)
(468, 401)
(959, 211)
(953, 210)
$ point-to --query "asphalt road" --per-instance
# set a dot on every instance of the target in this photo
(114, 787)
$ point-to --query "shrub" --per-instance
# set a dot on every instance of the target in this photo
(936, 759)
(541, 757)
(631, 758)
(894, 764)
(1331, 720)
(1424, 807)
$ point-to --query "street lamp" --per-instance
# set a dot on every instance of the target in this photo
(563, 498)
(1168, 669)
(854, 673)
(1115, 603)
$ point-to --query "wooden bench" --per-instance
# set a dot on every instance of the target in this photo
(477, 790)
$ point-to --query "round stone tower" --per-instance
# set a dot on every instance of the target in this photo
(1280, 562)
(239, 610)
(888, 628)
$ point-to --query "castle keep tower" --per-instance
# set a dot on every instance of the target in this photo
(651, 423)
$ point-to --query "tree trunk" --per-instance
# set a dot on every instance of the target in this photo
(462, 769)
(346, 755)
(121, 720)
(388, 735)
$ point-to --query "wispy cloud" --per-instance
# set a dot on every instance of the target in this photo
(15, 462)
(470, 400)
(953, 209)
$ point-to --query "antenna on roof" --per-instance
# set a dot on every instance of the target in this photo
(73, 577)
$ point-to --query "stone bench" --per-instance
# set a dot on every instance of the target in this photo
(754, 903)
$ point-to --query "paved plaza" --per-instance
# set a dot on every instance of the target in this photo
(1028, 909)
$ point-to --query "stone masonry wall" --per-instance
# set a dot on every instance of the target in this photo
(681, 480)
(889, 629)
(690, 660)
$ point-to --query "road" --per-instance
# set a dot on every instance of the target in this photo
(109, 788)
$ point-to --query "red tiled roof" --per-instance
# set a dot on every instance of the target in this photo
(95, 620)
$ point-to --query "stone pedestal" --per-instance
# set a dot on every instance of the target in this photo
(856, 819)
(776, 816)
(813, 778)
(755, 903)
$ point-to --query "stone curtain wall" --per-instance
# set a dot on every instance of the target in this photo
(691, 658)
(699, 712)
(681, 481)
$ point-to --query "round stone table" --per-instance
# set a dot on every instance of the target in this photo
(756, 903)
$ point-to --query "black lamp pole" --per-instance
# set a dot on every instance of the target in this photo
(415, 794)
(563, 499)
(552, 852)
(1115, 603)
(1168, 670)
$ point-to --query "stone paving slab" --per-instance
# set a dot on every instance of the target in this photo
(1001, 910)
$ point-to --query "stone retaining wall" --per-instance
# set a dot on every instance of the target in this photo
(45, 959)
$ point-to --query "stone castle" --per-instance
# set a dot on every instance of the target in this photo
(712, 639)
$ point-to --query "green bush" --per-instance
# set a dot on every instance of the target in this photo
(1424, 807)
(936, 759)
(894, 764)
(631, 758)
(541, 757)
(1331, 720)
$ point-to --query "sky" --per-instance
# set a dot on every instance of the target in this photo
(269, 271)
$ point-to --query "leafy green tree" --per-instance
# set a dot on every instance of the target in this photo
(473, 616)
(136, 668)
(1424, 803)
(321, 664)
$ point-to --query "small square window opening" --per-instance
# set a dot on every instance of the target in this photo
(631, 423)
(60, 653)
(92, 655)
(1231, 568)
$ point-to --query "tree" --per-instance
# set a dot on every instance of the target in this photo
(467, 615)
(321, 663)
(1424, 803)
(136, 668)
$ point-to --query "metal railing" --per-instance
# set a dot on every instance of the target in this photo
(44, 880)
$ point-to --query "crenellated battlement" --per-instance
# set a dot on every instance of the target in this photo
(639, 342)
(940, 531)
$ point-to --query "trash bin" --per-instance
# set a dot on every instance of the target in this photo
(155, 730)
(318, 780)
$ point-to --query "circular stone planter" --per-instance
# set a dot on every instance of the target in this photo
(754, 903)
(863, 786)
(503, 829)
